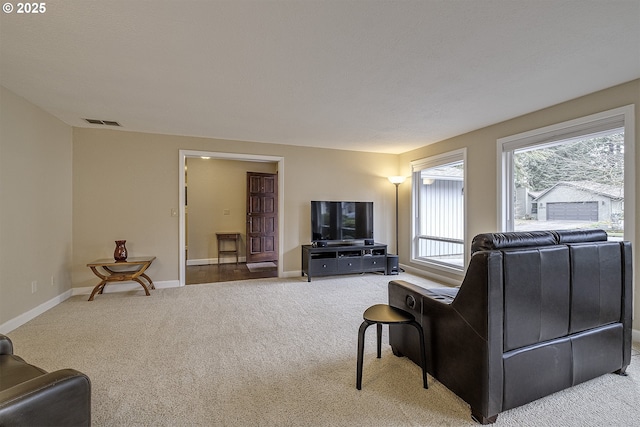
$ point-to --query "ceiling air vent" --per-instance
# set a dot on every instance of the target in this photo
(102, 122)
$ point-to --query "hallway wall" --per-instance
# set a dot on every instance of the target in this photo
(216, 202)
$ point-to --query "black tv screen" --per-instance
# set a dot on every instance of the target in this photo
(339, 221)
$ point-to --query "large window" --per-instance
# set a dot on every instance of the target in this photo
(439, 211)
(570, 176)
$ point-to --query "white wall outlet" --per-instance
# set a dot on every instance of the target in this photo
(174, 212)
(34, 286)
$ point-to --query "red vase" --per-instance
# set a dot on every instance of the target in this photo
(120, 254)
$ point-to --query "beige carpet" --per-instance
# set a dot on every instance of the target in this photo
(271, 352)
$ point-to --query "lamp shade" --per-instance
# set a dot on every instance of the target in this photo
(399, 179)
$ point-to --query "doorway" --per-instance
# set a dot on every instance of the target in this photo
(225, 268)
(262, 218)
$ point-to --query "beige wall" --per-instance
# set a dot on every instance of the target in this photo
(482, 164)
(125, 185)
(35, 206)
(217, 193)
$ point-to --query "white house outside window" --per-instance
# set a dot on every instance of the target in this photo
(573, 175)
(439, 211)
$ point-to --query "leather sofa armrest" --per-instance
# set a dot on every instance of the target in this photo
(627, 305)
(415, 295)
(6, 347)
(61, 398)
(463, 335)
(409, 286)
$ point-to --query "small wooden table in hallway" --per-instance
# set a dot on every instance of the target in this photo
(121, 271)
(235, 238)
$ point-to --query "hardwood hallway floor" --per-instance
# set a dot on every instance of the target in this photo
(213, 273)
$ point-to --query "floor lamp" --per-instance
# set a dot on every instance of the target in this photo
(397, 180)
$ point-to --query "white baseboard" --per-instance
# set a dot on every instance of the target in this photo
(125, 287)
(33, 313)
(289, 274)
(210, 261)
(205, 261)
(37, 311)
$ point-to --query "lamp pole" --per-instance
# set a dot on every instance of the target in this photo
(397, 184)
(397, 180)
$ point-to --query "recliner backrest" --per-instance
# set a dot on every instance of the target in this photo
(596, 287)
(537, 295)
(555, 282)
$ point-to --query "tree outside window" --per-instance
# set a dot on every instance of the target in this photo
(571, 184)
(570, 175)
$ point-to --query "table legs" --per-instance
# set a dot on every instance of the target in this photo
(98, 287)
(121, 276)
(360, 359)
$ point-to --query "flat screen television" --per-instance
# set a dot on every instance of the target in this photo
(341, 221)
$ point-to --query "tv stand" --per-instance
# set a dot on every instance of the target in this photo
(343, 259)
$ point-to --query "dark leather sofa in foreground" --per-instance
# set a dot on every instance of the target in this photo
(537, 312)
(30, 396)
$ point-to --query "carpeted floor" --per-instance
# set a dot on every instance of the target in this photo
(271, 352)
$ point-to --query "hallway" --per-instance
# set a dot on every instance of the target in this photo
(212, 273)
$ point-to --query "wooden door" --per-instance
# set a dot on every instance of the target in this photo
(262, 217)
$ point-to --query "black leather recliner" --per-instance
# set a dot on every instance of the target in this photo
(537, 312)
(29, 396)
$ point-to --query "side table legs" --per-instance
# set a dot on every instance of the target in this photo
(361, 331)
(379, 320)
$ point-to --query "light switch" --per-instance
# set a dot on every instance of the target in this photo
(226, 212)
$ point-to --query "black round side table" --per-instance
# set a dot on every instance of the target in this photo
(385, 314)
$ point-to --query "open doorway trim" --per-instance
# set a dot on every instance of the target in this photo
(183, 155)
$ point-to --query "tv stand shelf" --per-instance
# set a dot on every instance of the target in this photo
(343, 259)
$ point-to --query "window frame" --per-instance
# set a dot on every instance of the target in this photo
(427, 163)
(622, 117)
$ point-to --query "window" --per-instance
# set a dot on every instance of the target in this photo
(439, 211)
(573, 175)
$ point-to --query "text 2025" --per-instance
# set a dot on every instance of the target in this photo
(31, 8)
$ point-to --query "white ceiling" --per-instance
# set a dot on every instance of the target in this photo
(380, 76)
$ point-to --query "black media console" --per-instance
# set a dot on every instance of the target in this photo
(343, 259)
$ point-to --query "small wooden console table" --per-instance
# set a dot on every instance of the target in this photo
(235, 237)
(121, 271)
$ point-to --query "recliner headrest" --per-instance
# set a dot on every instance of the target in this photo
(518, 239)
(579, 236)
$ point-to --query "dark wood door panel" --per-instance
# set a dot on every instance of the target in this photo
(262, 217)
(264, 247)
